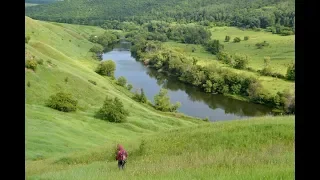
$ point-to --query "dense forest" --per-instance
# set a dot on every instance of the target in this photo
(279, 14)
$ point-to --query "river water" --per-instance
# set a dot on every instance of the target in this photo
(193, 102)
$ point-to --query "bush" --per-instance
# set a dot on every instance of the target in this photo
(92, 82)
(66, 79)
(28, 84)
(291, 72)
(240, 61)
(262, 44)
(27, 39)
(40, 61)
(236, 40)
(246, 38)
(129, 87)
(227, 39)
(122, 81)
(162, 102)
(140, 97)
(62, 102)
(214, 46)
(97, 48)
(31, 64)
(106, 68)
(112, 111)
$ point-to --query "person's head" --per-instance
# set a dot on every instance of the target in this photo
(120, 147)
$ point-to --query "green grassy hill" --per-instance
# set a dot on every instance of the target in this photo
(77, 146)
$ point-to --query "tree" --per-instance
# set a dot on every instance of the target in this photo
(112, 110)
(106, 68)
(240, 61)
(140, 97)
(236, 40)
(162, 101)
(129, 87)
(227, 39)
(291, 72)
(214, 46)
(62, 102)
(27, 38)
(122, 81)
(31, 64)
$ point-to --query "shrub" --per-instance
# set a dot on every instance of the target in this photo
(112, 110)
(66, 79)
(236, 40)
(162, 102)
(291, 72)
(140, 97)
(129, 87)
(106, 68)
(240, 61)
(246, 38)
(40, 61)
(28, 84)
(122, 81)
(27, 39)
(31, 64)
(262, 44)
(227, 39)
(62, 102)
(97, 48)
(92, 82)
(214, 46)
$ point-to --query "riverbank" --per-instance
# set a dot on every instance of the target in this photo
(211, 78)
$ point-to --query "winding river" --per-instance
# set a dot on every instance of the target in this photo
(193, 102)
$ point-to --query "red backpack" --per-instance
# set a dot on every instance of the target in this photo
(123, 156)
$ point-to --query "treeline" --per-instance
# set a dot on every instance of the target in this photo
(211, 79)
(240, 13)
(103, 41)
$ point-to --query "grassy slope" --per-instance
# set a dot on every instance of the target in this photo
(260, 148)
(76, 131)
(77, 146)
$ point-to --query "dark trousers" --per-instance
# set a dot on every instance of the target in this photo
(121, 164)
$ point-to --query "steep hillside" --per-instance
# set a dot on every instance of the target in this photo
(64, 50)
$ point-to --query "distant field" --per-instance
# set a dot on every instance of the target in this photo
(273, 85)
(281, 49)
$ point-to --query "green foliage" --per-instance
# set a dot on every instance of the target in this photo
(236, 40)
(122, 81)
(129, 87)
(240, 61)
(246, 38)
(112, 110)
(140, 97)
(62, 102)
(40, 61)
(106, 68)
(225, 57)
(31, 64)
(291, 72)
(244, 14)
(189, 34)
(227, 39)
(27, 39)
(66, 79)
(262, 44)
(214, 46)
(162, 102)
(92, 82)
(96, 49)
(28, 84)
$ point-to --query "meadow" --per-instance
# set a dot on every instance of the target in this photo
(76, 145)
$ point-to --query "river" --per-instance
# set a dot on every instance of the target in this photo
(193, 102)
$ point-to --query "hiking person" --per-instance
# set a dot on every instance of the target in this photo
(121, 156)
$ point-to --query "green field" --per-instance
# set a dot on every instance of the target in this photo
(281, 49)
(77, 146)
